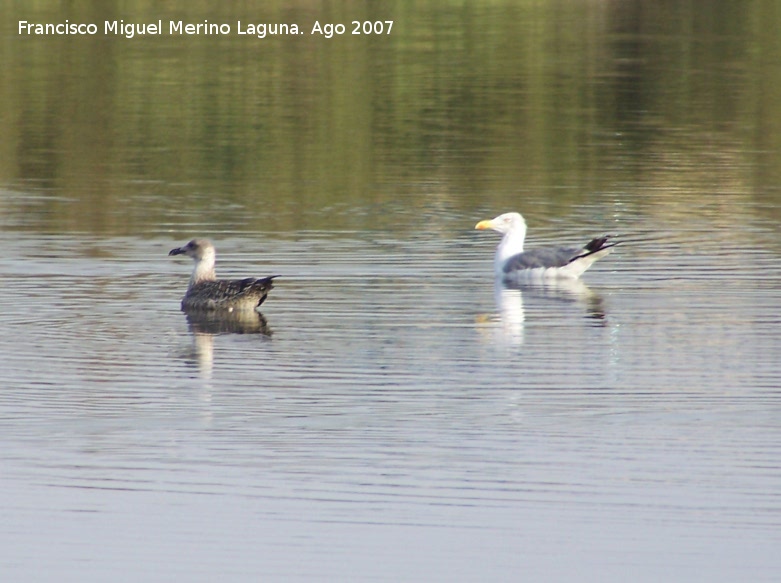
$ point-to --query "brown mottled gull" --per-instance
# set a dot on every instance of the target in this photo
(515, 265)
(206, 292)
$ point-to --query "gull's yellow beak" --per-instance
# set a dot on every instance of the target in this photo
(483, 225)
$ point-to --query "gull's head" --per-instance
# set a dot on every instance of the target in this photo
(198, 249)
(506, 223)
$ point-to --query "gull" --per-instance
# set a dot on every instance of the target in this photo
(205, 292)
(513, 264)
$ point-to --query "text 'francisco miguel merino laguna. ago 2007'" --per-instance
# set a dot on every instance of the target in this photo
(178, 27)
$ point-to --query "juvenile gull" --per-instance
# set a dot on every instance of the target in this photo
(206, 292)
(513, 264)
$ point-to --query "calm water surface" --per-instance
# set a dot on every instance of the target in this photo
(396, 418)
(393, 416)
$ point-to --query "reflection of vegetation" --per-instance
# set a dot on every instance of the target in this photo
(472, 105)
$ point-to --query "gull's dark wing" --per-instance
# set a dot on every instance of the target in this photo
(556, 256)
(542, 258)
(228, 293)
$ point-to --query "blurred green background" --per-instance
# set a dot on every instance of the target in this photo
(471, 108)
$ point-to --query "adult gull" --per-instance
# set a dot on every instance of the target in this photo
(513, 264)
(206, 292)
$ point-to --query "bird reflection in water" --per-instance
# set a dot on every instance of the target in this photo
(567, 291)
(207, 324)
(508, 321)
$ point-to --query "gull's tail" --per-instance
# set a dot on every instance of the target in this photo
(594, 250)
(597, 245)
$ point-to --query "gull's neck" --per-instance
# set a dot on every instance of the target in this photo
(204, 268)
(511, 245)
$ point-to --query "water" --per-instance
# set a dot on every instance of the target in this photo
(393, 416)
(392, 421)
